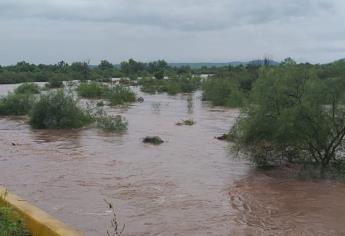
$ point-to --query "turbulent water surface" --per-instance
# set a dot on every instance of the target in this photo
(190, 185)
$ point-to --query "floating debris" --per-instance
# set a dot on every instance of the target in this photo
(223, 137)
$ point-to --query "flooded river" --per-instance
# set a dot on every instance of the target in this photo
(189, 185)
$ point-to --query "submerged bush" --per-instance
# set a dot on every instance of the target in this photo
(186, 122)
(11, 224)
(294, 117)
(58, 110)
(156, 140)
(311, 171)
(116, 95)
(120, 94)
(16, 104)
(92, 90)
(112, 123)
(29, 88)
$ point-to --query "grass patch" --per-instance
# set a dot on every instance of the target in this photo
(27, 88)
(156, 140)
(58, 110)
(11, 224)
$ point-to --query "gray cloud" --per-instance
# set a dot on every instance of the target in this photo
(178, 14)
(45, 31)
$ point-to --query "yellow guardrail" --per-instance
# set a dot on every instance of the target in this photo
(38, 222)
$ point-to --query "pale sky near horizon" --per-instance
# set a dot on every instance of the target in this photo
(47, 31)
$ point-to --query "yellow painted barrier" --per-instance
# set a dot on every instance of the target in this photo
(38, 222)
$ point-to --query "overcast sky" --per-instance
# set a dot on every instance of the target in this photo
(47, 31)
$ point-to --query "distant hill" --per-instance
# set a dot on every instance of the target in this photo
(340, 60)
(198, 65)
(261, 62)
(220, 64)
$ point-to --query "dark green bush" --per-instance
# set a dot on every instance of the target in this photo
(57, 110)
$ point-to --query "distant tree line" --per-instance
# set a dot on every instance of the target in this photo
(27, 72)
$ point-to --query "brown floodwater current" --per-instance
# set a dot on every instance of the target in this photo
(189, 185)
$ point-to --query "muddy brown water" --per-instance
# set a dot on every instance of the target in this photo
(190, 185)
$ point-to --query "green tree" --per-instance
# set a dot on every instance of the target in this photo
(105, 65)
(82, 68)
(288, 61)
(159, 74)
(293, 115)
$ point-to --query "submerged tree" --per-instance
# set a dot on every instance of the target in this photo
(293, 115)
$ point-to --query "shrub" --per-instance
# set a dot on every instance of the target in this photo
(57, 110)
(16, 104)
(29, 88)
(11, 224)
(112, 123)
(92, 90)
(223, 92)
(120, 94)
(294, 116)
